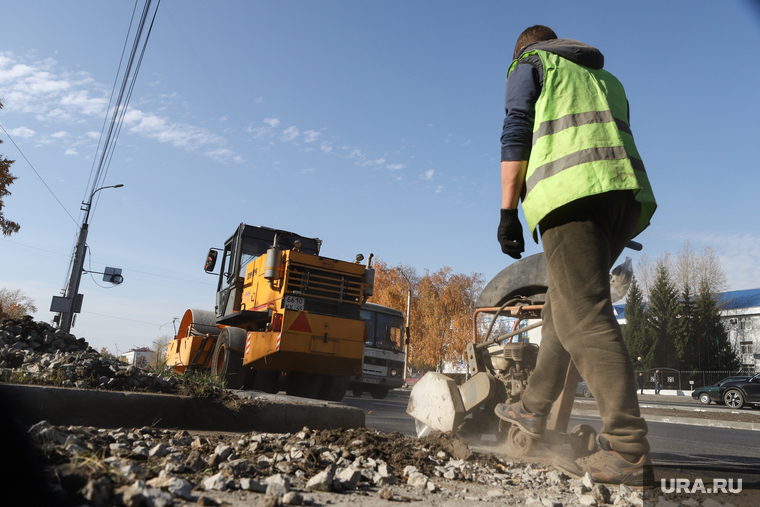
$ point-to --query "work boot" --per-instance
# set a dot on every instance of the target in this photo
(532, 424)
(608, 467)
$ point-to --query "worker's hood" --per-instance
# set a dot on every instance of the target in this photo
(573, 50)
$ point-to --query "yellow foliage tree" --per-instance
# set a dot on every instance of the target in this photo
(442, 306)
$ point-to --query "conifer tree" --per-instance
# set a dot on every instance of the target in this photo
(686, 341)
(715, 349)
(662, 316)
(635, 330)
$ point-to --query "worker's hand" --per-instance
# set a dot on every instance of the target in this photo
(510, 233)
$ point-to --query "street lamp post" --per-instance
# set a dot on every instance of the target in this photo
(72, 302)
(408, 317)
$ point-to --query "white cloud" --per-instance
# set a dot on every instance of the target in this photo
(438, 190)
(395, 167)
(258, 132)
(39, 88)
(376, 162)
(93, 135)
(310, 136)
(428, 174)
(81, 101)
(355, 152)
(180, 135)
(22, 132)
(60, 134)
(325, 147)
(71, 151)
(258, 100)
(289, 134)
(308, 170)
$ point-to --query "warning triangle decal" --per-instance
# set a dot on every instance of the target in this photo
(301, 324)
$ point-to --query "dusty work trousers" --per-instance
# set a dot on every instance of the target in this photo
(581, 241)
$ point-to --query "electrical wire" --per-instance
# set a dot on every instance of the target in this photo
(38, 175)
(119, 108)
(125, 95)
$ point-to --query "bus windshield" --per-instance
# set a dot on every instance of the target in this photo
(383, 331)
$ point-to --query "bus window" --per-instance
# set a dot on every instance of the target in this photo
(369, 321)
(389, 331)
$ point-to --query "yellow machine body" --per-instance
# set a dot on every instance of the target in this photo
(300, 311)
(299, 340)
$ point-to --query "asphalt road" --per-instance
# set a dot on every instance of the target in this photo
(677, 450)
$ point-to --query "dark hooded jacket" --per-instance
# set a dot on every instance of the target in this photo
(524, 86)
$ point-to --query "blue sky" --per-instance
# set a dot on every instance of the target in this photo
(371, 125)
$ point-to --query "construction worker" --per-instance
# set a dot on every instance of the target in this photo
(568, 152)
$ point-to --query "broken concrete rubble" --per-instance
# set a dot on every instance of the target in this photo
(92, 466)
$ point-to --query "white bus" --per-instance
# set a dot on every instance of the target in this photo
(383, 367)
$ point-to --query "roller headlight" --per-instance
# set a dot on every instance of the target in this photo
(394, 373)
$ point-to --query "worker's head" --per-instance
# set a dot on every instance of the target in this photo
(533, 34)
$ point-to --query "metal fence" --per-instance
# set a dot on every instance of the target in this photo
(671, 378)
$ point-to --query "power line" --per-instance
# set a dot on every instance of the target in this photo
(38, 175)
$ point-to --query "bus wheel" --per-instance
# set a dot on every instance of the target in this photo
(379, 393)
(334, 387)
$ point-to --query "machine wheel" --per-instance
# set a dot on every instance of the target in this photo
(334, 387)
(227, 361)
(586, 392)
(357, 392)
(520, 443)
(267, 381)
(733, 399)
(379, 393)
(583, 440)
(704, 398)
(304, 385)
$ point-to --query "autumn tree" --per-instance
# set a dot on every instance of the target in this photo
(441, 312)
(160, 347)
(107, 354)
(6, 178)
(687, 267)
(14, 304)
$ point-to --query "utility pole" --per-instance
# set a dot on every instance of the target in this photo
(71, 303)
(406, 340)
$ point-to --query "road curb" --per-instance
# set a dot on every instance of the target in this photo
(113, 409)
(690, 421)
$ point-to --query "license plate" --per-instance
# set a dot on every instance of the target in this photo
(294, 303)
(370, 381)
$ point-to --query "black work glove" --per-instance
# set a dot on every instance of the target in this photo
(510, 234)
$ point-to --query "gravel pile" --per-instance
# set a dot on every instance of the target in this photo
(150, 467)
(153, 467)
(36, 352)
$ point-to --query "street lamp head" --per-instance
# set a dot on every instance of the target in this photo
(119, 185)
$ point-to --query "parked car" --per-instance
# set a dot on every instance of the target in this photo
(583, 390)
(709, 394)
(737, 393)
(413, 379)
